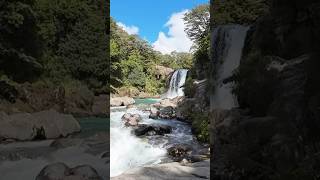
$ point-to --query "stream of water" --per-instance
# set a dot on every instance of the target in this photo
(128, 151)
(227, 44)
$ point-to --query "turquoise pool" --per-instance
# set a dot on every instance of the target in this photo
(93, 125)
(146, 101)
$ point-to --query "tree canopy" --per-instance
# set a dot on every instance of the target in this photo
(56, 41)
(133, 62)
(237, 11)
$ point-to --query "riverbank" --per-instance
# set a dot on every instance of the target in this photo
(90, 147)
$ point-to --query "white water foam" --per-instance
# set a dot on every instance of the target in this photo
(126, 150)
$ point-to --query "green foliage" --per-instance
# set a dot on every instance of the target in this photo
(237, 11)
(176, 60)
(75, 41)
(19, 40)
(197, 22)
(133, 61)
(200, 126)
(189, 88)
(202, 58)
(197, 29)
(54, 41)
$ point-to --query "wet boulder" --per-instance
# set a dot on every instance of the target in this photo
(149, 130)
(131, 119)
(62, 172)
(41, 125)
(179, 151)
(154, 113)
(167, 113)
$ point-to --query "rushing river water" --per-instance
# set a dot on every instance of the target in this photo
(128, 151)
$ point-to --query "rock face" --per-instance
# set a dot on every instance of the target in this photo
(272, 134)
(131, 119)
(100, 105)
(63, 172)
(163, 72)
(167, 113)
(169, 171)
(39, 97)
(121, 101)
(42, 125)
(149, 130)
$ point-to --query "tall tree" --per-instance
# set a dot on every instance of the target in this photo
(197, 22)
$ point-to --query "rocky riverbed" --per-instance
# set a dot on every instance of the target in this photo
(147, 140)
(83, 155)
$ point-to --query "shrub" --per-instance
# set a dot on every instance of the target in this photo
(189, 88)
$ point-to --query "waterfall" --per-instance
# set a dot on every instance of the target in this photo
(177, 81)
(227, 43)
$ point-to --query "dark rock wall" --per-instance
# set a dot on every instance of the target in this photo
(275, 134)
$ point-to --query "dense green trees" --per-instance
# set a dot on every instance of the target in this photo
(133, 62)
(197, 28)
(197, 22)
(19, 41)
(176, 60)
(75, 41)
(237, 11)
(55, 41)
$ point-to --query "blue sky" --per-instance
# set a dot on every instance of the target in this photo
(152, 19)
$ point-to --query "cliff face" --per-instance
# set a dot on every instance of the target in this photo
(275, 132)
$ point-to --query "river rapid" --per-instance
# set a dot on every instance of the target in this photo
(128, 151)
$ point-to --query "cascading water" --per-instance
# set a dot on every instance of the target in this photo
(227, 45)
(177, 81)
(128, 151)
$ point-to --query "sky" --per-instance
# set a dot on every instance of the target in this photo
(157, 21)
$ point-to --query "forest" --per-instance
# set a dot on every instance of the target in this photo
(55, 43)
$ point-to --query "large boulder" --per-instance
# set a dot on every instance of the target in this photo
(168, 171)
(131, 119)
(17, 127)
(41, 125)
(167, 113)
(162, 72)
(60, 171)
(100, 105)
(150, 129)
(55, 124)
(154, 113)
(167, 102)
(121, 101)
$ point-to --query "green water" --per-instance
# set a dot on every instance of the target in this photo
(146, 101)
(93, 125)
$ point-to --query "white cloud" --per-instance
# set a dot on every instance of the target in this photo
(129, 29)
(176, 39)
